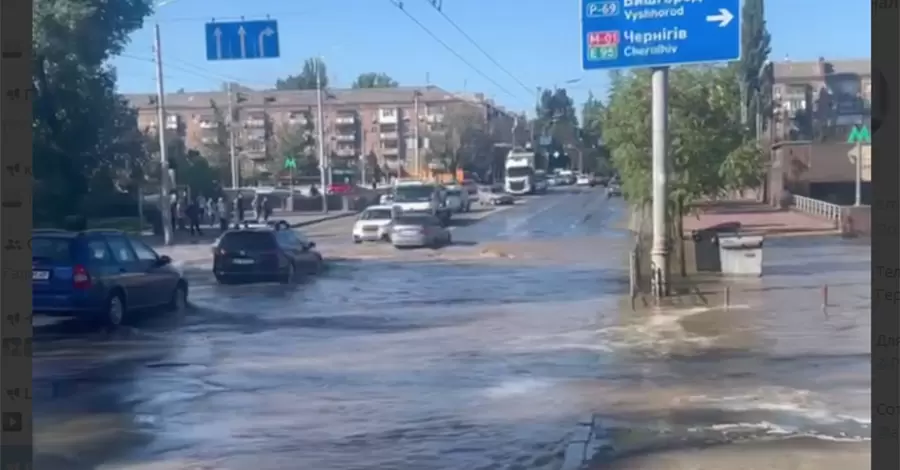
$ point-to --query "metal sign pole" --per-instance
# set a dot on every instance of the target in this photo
(660, 140)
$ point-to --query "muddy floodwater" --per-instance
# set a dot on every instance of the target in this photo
(511, 349)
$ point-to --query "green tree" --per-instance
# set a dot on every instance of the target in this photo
(755, 78)
(218, 151)
(86, 139)
(306, 79)
(460, 138)
(374, 80)
(297, 142)
(710, 152)
(591, 136)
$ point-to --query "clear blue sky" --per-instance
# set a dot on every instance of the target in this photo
(536, 40)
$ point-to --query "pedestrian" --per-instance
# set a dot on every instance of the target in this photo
(201, 208)
(222, 210)
(193, 213)
(180, 209)
(239, 208)
(173, 211)
(212, 212)
(313, 191)
(254, 206)
(266, 208)
(374, 185)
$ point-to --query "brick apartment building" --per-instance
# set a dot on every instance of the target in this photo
(358, 122)
(815, 106)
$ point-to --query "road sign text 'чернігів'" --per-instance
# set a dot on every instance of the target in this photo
(656, 33)
(238, 40)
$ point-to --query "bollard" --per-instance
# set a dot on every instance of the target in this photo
(727, 297)
(825, 296)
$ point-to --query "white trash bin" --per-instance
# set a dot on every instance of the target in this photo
(741, 255)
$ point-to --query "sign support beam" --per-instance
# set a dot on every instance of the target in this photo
(659, 259)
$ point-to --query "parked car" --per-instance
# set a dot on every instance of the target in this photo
(414, 231)
(264, 254)
(495, 196)
(101, 275)
(373, 224)
(583, 180)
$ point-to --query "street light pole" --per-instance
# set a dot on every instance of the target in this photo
(161, 130)
(232, 144)
(320, 126)
(418, 163)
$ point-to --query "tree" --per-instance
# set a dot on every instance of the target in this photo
(306, 79)
(218, 151)
(591, 136)
(297, 142)
(374, 80)
(710, 149)
(460, 137)
(556, 120)
(86, 139)
(755, 79)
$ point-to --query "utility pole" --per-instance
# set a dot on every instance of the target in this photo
(161, 130)
(320, 126)
(859, 157)
(659, 263)
(232, 144)
(418, 163)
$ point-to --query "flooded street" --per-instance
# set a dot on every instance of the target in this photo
(488, 354)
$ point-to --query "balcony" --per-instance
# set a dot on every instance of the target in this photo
(389, 135)
(254, 123)
(345, 120)
(346, 152)
(433, 118)
(345, 138)
(387, 116)
(208, 123)
(390, 151)
(172, 122)
(209, 140)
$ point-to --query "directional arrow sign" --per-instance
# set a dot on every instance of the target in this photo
(242, 40)
(642, 33)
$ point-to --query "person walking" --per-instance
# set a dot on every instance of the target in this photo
(173, 211)
(181, 210)
(255, 206)
(193, 213)
(222, 211)
(238, 208)
(266, 207)
(212, 212)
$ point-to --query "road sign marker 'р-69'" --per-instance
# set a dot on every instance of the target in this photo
(237, 40)
(656, 33)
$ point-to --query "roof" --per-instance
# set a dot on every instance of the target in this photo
(301, 98)
(792, 70)
(379, 208)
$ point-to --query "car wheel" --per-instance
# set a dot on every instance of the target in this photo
(179, 300)
(288, 277)
(319, 266)
(357, 240)
(115, 311)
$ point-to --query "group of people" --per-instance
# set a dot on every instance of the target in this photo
(188, 214)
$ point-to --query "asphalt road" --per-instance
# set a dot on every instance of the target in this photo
(481, 355)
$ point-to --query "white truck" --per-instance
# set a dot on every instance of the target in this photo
(520, 172)
(420, 197)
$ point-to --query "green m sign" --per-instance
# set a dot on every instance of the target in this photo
(860, 134)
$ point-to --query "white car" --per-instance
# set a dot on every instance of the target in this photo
(374, 224)
(456, 198)
(583, 180)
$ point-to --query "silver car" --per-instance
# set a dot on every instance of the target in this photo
(494, 196)
(415, 231)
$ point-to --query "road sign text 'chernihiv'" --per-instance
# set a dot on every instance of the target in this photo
(653, 33)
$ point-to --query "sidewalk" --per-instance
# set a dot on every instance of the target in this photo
(189, 249)
(758, 219)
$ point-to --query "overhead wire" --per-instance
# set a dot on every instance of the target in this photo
(197, 73)
(460, 30)
(399, 5)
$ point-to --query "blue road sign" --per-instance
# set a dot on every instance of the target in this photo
(242, 40)
(654, 33)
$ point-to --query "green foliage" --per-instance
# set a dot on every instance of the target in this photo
(86, 140)
(296, 141)
(755, 79)
(461, 137)
(306, 79)
(708, 143)
(374, 80)
(590, 141)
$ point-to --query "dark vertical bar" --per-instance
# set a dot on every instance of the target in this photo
(885, 237)
(15, 231)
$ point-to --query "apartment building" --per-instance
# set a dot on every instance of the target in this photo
(816, 105)
(820, 100)
(358, 124)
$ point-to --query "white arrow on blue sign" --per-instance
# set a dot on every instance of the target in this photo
(238, 40)
(654, 33)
